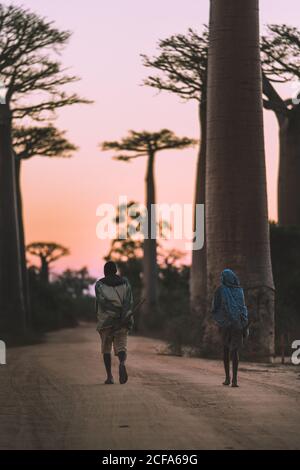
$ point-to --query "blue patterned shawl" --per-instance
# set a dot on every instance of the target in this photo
(229, 304)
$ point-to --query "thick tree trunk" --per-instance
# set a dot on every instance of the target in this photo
(198, 267)
(150, 248)
(289, 169)
(22, 240)
(44, 273)
(236, 199)
(12, 308)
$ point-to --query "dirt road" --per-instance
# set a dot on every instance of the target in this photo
(52, 397)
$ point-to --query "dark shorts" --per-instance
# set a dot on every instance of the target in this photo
(232, 337)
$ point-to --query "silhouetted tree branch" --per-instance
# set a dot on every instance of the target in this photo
(139, 144)
(182, 63)
(281, 64)
(280, 53)
(45, 141)
(29, 73)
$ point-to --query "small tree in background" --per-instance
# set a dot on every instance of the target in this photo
(76, 283)
(62, 302)
(28, 142)
(173, 276)
(127, 251)
(47, 253)
(148, 144)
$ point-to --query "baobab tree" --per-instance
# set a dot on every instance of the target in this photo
(236, 198)
(148, 144)
(281, 59)
(28, 142)
(181, 64)
(47, 253)
(12, 303)
(33, 80)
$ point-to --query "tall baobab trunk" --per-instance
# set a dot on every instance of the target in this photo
(198, 267)
(150, 247)
(236, 200)
(22, 239)
(289, 169)
(44, 272)
(12, 308)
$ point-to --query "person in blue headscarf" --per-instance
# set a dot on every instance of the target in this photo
(230, 313)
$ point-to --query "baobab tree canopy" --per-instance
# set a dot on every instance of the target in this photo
(281, 57)
(47, 252)
(41, 141)
(181, 63)
(27, 68)
(139, 144)
(280, 52)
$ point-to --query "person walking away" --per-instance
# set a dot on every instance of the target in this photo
(114, 303)
(230, 313)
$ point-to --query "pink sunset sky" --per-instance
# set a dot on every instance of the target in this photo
(61, 195)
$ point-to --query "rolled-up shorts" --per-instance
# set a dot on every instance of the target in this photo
(116, 340)
(232, 337)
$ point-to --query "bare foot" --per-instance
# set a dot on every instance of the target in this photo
(109, 381)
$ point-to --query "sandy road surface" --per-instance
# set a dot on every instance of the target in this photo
(52, 397)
